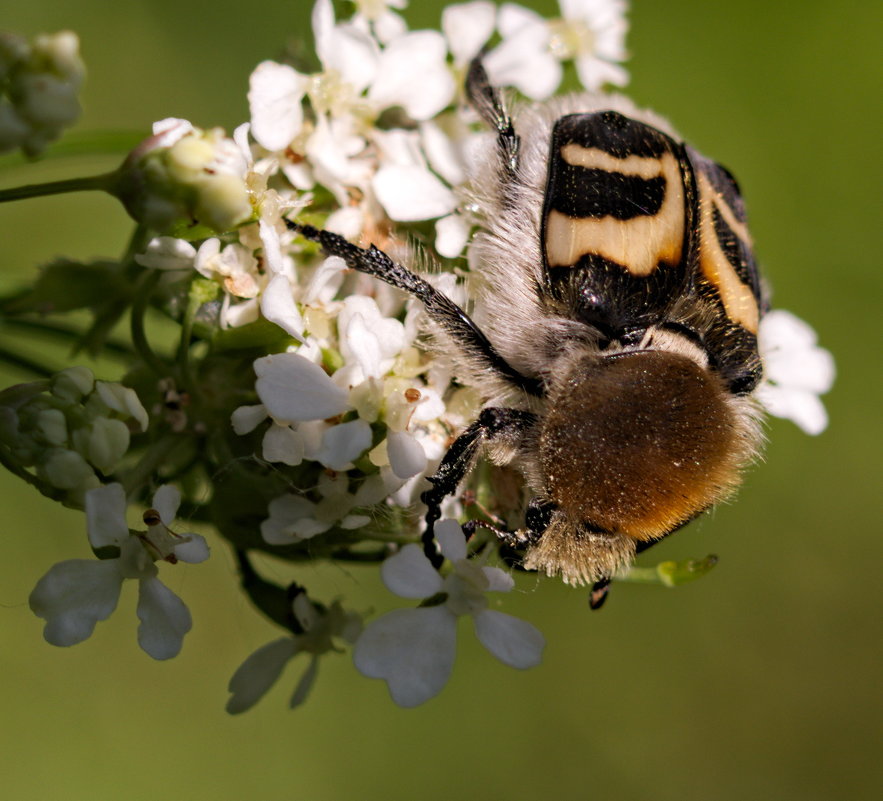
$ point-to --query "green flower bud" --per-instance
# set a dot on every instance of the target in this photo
(66, 469)
(184, 178)
(51, 427)
(123, 400)
(108, 443)
(72, 384)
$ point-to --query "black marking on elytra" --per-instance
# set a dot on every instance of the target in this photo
(612, 132)
(737, 253)
(586, 192)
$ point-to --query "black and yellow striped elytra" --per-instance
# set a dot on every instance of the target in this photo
(614, 339)
(634, 224)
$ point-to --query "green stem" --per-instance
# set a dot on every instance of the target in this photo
(103, 183)
(183, 356)
(642, 575)
(146, 284)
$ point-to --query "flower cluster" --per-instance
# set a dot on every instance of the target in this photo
(39, 81)
(303, 390)
(70, 430)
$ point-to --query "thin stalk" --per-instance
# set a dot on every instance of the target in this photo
(102, 183)
(146, 284)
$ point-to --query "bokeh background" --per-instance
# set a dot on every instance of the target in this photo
(761, 681)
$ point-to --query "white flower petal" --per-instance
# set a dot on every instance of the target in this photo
(343, 443)
(413, 650)
(363, 346)
(344, 48)
(443, 152)
(234, 315)
(167, 253)
(106, 516)
(352, 522)
(326, 272)
(73, 596)
(412, 193)
(498, 580)
(283, 444)
(406, 455)
(302, 690)
(412, 73)
(272, 249)
(514, 642)
(594, 73)
(451, 539)
(285, 512)
(192, 549)
(409, 574)
(166, 501)
(799, 406)
(274, 97)
(278, 306)
(246, 419)
(513, 18)
(294, 389)
(170, 130)
(254, 677)
(164, 618)
(451, 236)
(467, 26)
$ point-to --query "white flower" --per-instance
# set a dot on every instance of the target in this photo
(590, 32)
(294, 518)
(796, 371)
(74, 595)
(413, 649)
(321, 627)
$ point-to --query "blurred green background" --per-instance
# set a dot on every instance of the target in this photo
(761, 681)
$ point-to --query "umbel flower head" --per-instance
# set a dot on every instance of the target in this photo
(299, 405)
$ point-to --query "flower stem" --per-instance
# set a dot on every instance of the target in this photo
(103, 183)
(146, 285)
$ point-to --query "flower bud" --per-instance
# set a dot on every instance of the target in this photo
(68, 427)
(183, 177)
(41, 80)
